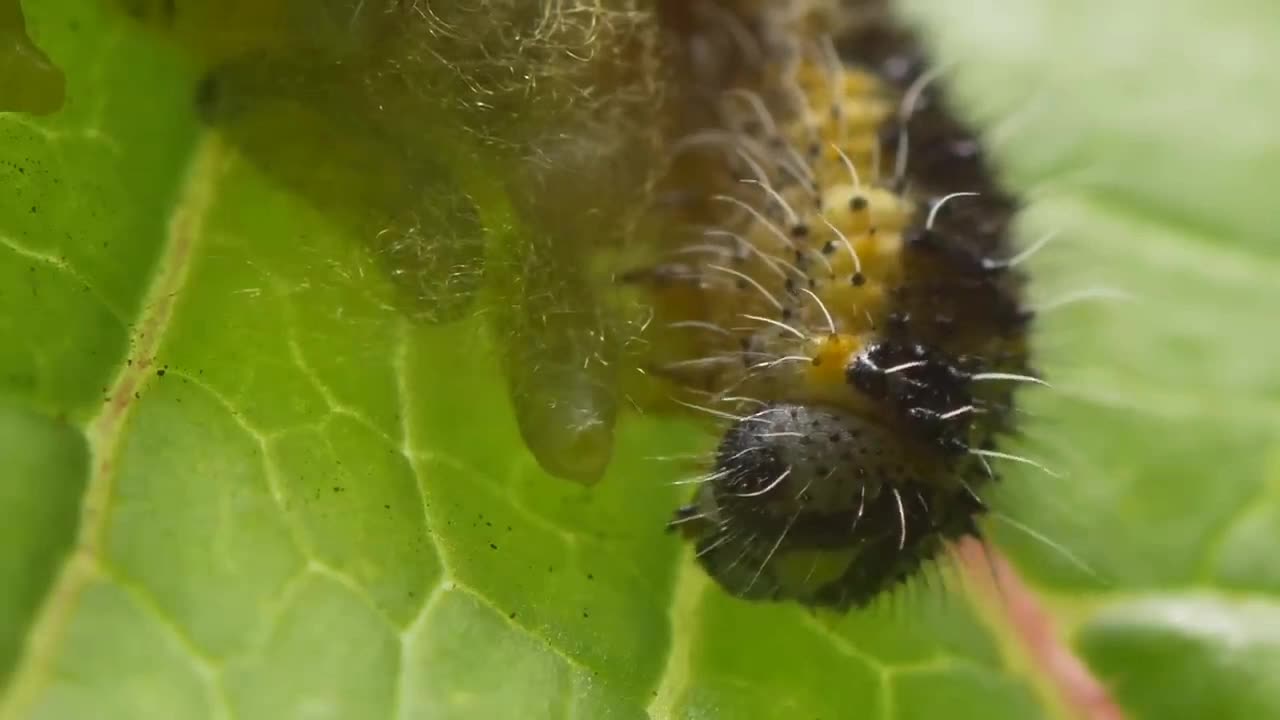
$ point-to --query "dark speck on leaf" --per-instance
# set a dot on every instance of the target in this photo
(160, 372)
(492, 546)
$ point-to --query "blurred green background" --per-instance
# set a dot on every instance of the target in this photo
(245, 473)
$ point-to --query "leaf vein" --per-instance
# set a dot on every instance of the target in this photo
(105, 431)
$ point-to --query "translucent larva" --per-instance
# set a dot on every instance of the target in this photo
(409, 209)
(32, 83)
(486, 176)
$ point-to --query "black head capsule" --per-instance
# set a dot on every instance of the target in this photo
(819, 505)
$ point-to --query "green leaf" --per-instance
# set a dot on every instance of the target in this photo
(1142, 130)
(241, 481)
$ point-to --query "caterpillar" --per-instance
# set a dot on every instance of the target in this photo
(837, 287)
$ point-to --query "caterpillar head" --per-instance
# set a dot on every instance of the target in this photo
(822, 506)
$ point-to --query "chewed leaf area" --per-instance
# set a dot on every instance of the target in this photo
(252, 471)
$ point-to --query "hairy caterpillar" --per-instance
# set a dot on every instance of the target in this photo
(841, 289)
